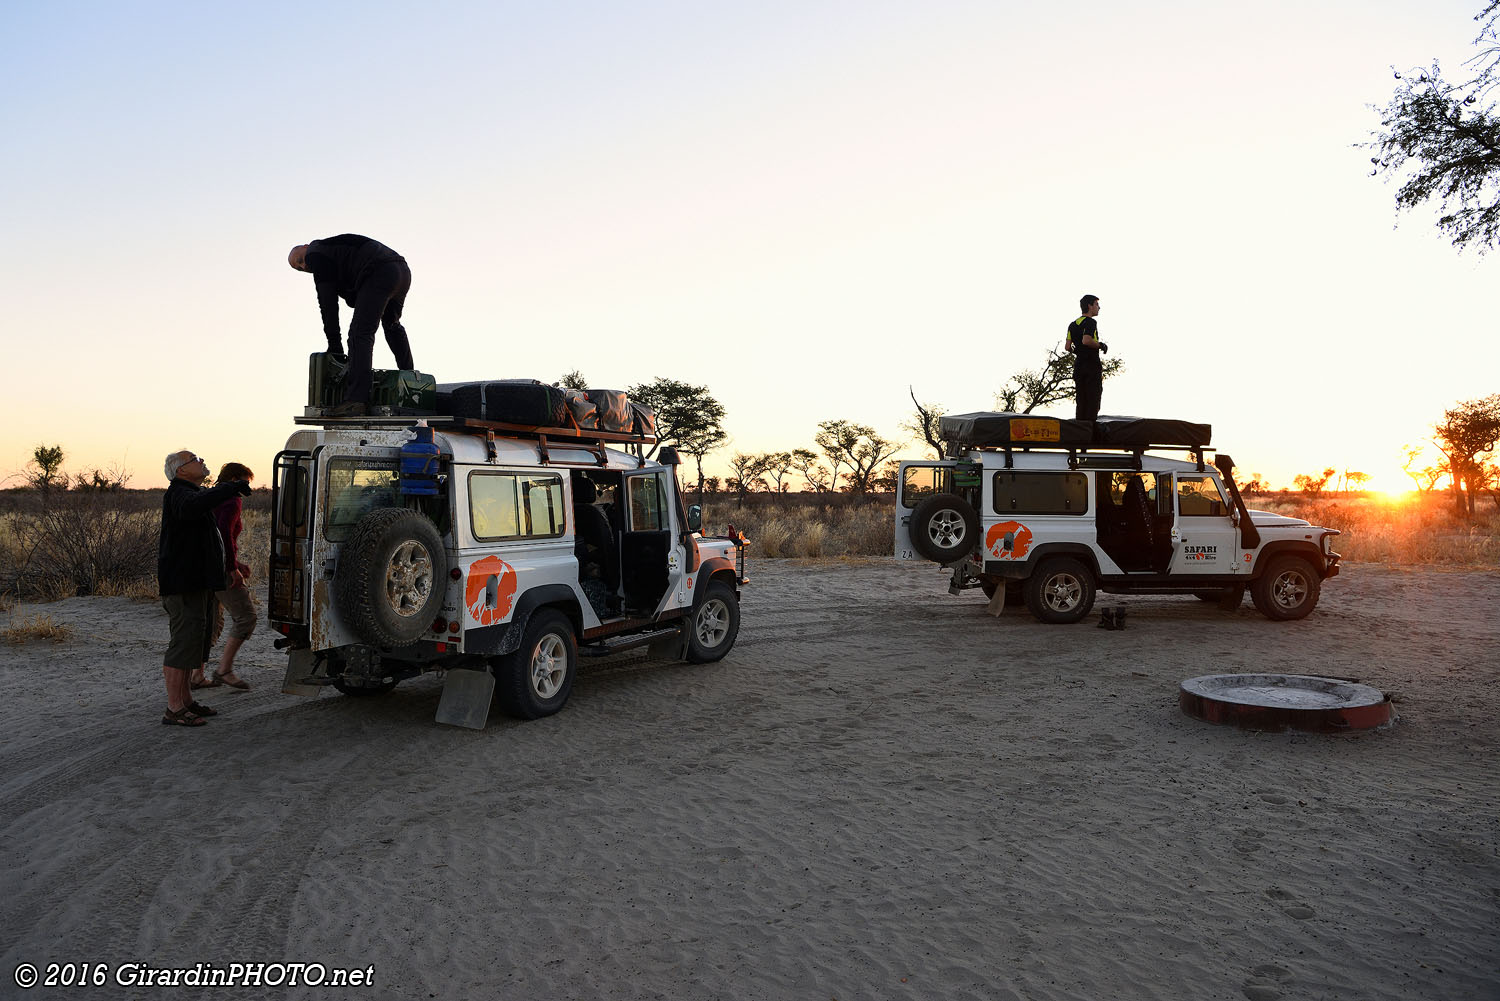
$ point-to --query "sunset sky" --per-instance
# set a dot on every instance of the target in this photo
(805, 206)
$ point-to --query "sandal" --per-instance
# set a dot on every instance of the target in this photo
(182, 717)
(199, 709)
(205, 683)
(241, 685)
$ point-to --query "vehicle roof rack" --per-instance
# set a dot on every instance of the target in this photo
(591, 440)
(1094, 456)
(472, 425)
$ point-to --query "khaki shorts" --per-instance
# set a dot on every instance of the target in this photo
(240, 606)
(190, 617)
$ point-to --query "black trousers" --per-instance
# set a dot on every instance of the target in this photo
(378, 303)
(1090, 387)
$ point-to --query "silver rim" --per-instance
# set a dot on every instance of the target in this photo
(1062, 592)
(946, 529)
(712, 624)
(408, 578)
(549, 666)
(1289, 589)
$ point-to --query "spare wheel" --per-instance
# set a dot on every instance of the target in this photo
(944, 528)
(391, 576)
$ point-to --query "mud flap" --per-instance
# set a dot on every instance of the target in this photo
(1232, 598)
(466, 698)
(672, 647)
(299, 667)
(997, 601)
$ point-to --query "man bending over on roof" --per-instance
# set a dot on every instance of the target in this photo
(373, 279)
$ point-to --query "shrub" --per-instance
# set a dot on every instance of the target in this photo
(75, 543)
(35, 627)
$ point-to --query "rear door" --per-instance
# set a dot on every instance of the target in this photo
(291, 520)
(914, 482)
(1206, 536)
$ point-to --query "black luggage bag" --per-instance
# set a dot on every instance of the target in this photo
(508, 401)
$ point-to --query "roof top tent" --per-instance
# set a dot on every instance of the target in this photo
(1007, 432)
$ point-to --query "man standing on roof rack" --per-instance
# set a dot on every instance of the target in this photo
(1088, 373)
(373, 279)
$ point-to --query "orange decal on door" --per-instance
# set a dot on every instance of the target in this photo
(480, 572)
(1008, 540)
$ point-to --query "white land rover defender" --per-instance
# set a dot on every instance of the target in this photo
(493, 552)
(1054, 511)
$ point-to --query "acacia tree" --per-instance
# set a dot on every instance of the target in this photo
(1313, 485)
(44, 471)
(925, 423)
(1466, 436)
(779, 467)
(806, 462)
(1442, 139)
(686, 417)
(1427, 477)
(856, 446)
(574, 380)
(749, 470)
(1029, 389)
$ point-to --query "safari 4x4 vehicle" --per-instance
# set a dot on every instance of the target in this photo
(1054, 511)
(496, 553)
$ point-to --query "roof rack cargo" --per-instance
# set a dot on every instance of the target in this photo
(591, 440)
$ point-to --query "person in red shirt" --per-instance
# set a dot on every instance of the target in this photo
(235, 597)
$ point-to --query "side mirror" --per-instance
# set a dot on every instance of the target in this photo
(695, 518)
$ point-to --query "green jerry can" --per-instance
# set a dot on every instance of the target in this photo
(403, 389)
(325, 379)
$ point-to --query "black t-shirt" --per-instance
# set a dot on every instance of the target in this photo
(1085, 359)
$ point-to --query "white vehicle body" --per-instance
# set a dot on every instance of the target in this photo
(1058, 524)
(495, 545)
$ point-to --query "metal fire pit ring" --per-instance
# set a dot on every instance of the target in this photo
(1277, 702)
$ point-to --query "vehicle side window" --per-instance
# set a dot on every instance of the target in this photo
(647, 512)
(1199, 496)
(1040, 493)
(1156, 488)
(918, 482)
(515, 505)
(355, 488)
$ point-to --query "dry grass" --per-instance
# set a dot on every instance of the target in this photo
(793, 529)
(35, 627)
(1416, 529)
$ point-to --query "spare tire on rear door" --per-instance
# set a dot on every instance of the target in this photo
(944, 528)
(390, 578)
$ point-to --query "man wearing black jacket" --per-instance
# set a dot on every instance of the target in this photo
(373, 279)
(189, 569)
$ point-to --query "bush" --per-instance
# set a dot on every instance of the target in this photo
(62, 544)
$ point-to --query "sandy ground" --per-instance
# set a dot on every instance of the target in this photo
(881, 793)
